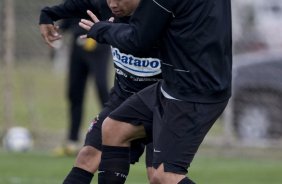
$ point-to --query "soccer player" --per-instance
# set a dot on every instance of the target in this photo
(196, 54)
(133, 73)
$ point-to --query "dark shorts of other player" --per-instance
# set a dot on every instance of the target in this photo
(94, 135)
(177, 128)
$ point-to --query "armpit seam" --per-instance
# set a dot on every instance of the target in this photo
(164, 8)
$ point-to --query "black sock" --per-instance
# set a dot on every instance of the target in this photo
(186, 181)
(114, 166)
(78, 176)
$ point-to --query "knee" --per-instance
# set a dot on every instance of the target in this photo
(111, 130)
(150, 173)
(112, 133)
(161, 177)
(108, 127)
(155, 179)
(155, 175)
(117, 133)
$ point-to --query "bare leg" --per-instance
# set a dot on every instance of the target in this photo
(88, 159)
(116, 140)
(161, 177)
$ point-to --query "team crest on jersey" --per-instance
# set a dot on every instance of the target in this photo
(142, 67)
(93, 122)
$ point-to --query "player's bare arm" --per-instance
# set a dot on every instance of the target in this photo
(50, 33)
(66, 10)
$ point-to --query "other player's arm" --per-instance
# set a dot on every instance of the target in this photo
(146, 26)
(68, 9)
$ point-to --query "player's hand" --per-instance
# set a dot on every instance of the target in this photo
(50, 33)
(87, 24)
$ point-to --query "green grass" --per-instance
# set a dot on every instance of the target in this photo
(218, 170)
(36, 167)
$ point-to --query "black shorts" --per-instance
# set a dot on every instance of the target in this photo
(176, 127)
(94, 134)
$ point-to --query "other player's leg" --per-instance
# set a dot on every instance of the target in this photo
(179, 129)
(130, 121)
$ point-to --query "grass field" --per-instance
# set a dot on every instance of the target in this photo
(39, 103)
(36, 167)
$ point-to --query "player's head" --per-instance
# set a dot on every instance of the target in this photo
(121, 8)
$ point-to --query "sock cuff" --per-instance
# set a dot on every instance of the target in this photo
(109, 152)
(186, 181)
(82, 172)
(115, 148)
